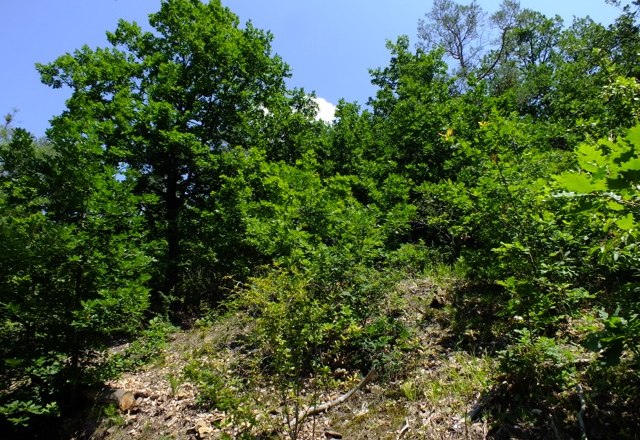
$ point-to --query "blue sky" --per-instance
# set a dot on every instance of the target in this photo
(329, 44)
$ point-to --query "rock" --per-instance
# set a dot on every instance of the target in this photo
(182, 394)
(204, 429)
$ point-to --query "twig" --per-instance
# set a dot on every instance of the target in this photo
(404, 429)
(317, 409)
(556, 433)
(583, 408)
(475, 412)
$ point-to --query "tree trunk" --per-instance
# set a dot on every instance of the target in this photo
(173, 202)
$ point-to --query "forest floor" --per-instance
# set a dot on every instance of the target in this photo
(429, 396)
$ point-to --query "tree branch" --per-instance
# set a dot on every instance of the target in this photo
(313, 410)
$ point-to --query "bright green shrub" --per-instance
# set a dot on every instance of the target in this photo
(605, 192)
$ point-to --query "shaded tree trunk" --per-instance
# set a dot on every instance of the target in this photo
(173, 203)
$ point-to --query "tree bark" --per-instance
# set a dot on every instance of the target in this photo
(173, 202)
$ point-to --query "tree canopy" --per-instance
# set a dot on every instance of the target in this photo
(184, 177)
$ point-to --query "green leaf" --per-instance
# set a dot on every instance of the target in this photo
(580, 183)
(615, 206)
(631, 165)
(633, 135)
(590, 158)
(626, 223)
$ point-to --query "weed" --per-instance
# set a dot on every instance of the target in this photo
(145, 349)
(174, 382)
(408, 389)
(460, 378)
(112, 416)
(215, 391)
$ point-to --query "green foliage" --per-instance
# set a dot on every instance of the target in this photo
(144, 349)
(605, 192)
(307, 322)
(412, 112)
(220, 391)
(73, 270)
(111, 414)
(288, 322)
(164, 105)
(66, 290)
(576, 254)
(535, 372)
(325, 245)
(617, 335)
(302, 325)
(183, 169)
(19, 412)
(214, 391)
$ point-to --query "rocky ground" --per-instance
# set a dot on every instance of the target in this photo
(429, 398)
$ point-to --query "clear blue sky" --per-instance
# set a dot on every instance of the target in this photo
(330, 44)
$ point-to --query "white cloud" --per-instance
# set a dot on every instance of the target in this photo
(326, 110)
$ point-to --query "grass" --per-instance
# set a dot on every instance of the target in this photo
(459, 379)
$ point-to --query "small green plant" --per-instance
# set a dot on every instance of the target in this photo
(537, 373)
(112, 416)
(174, 382)
(617, 335)
(459, 379)
(141, 351)
(20, 412)
(541, 364)
(214, 389)
(409, 391)
(222, 391)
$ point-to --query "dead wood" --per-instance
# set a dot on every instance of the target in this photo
(404, 429)
(123, 399)
(317, 409)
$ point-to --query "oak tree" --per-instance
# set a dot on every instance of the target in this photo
(164, 103)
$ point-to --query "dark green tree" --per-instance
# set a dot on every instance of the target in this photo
(165, 104)
(73, 271)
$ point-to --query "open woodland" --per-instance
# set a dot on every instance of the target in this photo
(190, 253)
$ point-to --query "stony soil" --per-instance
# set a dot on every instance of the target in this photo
(429, 398)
